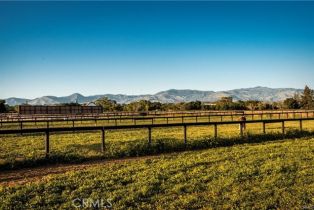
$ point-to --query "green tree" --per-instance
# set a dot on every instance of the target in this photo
(193, 105)
(169, 107)
(252, 104)
(107, 104)
(143, 106)
(307, 98)
(155, 106)
(2, 106)
(291, 103)
(240, 105)
(138, 106)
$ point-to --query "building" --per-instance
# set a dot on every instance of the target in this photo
(59, 109)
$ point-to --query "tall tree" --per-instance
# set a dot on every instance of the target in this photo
(2, 106)
(307, 98)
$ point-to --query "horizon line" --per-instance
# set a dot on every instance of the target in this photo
(87, 95)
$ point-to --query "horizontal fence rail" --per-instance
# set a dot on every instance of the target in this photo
(155, 120)
(65, 118)
(241, 124)
(116, 114)
(18, 117)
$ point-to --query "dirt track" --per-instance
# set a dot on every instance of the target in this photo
(25, 175)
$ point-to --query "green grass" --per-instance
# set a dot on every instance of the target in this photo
(269, 175)
(28, 150)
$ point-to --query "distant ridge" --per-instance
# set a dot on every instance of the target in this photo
(169, 96)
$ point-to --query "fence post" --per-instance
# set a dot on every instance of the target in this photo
(215, 131)
(47, 143)
(300, 125)
(102, 140)
(264, 127)
(241, 129)
(185, 137)
(73, 123)
(167, 119)
(221, 118)
(21, 127)
(149, 136)
(283, 127)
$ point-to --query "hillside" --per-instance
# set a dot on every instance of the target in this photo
(170, 96)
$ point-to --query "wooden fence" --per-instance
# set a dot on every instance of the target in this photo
(215, 125)
(120, 121)
(18, 117)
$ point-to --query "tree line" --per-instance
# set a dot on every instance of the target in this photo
(298, 101)
(302, 101)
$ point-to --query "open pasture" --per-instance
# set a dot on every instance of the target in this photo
(17, 149)
(268, 175)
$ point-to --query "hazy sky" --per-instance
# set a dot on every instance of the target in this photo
(58, 48)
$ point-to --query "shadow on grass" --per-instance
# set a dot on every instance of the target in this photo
(137, 148)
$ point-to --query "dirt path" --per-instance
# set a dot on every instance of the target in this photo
(34, 174)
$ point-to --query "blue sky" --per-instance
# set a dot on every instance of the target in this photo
(58, 48)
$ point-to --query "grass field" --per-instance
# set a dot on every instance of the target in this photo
(26, 150)
(272, 171)
(270, 175)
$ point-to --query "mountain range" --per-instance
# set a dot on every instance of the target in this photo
(169, 96)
